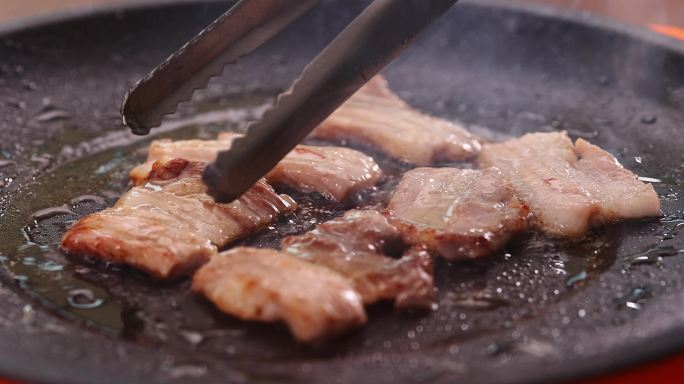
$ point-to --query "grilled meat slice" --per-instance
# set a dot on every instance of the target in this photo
(460, 213)
(380, 119)
(268, 285)
(567, 187)
(619, 191)
(356, 245)
(194, 150)
(335, 172)
(169, 227)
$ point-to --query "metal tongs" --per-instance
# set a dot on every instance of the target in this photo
(359, 52)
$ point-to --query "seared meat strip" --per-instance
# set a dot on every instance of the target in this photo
(570, 187)
(377, 117)
(335, 172)
(194, 150)
(619, 191)
(332, 171)
(268, 285)
(460, 213)
(356, 246)
(169, 227)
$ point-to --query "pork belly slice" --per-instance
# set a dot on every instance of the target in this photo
(170, 226)
(620, 192)
(356, 246)
(335, 172)
(268, 285)
(459, 213)
(193, 150)
(570, 187)
(380, 119)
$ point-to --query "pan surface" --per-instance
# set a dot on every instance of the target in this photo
(540, 311)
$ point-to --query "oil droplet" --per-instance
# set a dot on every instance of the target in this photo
(50, 266)
(51, 212)
(653, 255)
(28, 310)
(673, 223)
(635, 299)
(576, 279)
(51, 115)
(192, 337)
(21, 279)
(649, 179)
(86, 199)
(649, 119)
(28, 260)
(83, 299)
(645, 258)
(6, 182)
(482, 300)
(189, 371)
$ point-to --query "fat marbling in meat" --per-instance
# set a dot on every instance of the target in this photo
(169, 226)
(567, 187)
(335, 172)
(459, 213)
(376, 117)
